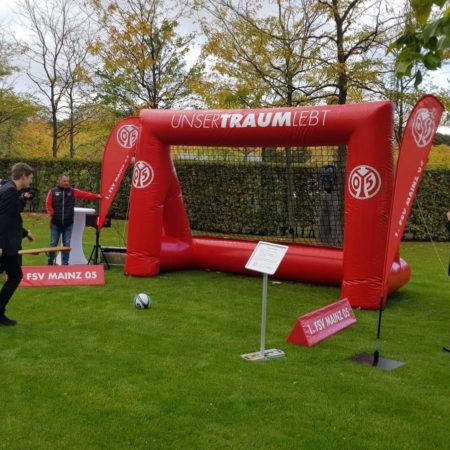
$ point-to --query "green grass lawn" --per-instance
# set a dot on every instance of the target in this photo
(84, 369)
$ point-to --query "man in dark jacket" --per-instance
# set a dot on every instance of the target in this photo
(60, 205)
(12, 233)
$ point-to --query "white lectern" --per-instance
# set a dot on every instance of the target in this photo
(76, 242)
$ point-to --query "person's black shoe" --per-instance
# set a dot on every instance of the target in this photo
(446, 349)
(7, 322)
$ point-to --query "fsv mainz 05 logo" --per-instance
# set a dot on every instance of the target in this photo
(423, 127)
(142, 175)
(127, 135)
(364, 182)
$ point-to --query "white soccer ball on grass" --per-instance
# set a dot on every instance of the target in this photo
(142, 301)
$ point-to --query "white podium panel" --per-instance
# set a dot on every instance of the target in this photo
(76, 242)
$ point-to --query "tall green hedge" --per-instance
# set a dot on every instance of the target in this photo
(262, 212)
(428, 215)
(84, 175)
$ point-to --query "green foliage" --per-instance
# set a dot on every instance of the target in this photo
(221, 197)
(143, 56)
(250, 199)
(442, 139)
(16, 108)
(426, 42)
(298, 155)
(46, 175)
(222, 207)
(260, 56)
(432, 202)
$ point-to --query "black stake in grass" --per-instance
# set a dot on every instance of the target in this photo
(376, 354)
(375, 360)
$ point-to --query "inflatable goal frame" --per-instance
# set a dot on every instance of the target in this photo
(159, 234)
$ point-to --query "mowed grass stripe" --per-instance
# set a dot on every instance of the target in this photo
(84, 369)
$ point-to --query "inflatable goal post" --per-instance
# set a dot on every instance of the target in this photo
(375, 209)
(159, 234)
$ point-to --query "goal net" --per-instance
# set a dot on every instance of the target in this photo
(264, 193)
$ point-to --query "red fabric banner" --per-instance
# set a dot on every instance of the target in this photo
(413, 157)
(119, 150)
(76, 275)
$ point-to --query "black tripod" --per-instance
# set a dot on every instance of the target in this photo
(97, 251)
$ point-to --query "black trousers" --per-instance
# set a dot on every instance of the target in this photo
(11, 265)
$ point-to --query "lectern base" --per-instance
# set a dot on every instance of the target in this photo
(272, 353)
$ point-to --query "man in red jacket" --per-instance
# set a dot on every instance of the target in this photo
(60, 205)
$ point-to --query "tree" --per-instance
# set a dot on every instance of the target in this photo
(352, 57)
(384, 84)
(93, 125)
(78, 81)
(143, 55)
(33, 140)
(55, 27)
(425, 40)
(260, 56)
(15, 108)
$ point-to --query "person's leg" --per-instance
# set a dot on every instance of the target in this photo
(324, 221)
(66, 235)
(55, 233)
(11, 265)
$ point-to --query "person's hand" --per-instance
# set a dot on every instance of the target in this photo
(30, 237)
(99, 196)
(448, 216)
(1, 251)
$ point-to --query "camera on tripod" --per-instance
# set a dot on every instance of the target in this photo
(28, 194)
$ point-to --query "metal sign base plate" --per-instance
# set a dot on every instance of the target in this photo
(271, 353)
(383, 363)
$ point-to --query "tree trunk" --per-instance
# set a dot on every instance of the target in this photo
(71, 129)
(290, 174)
(54, 133)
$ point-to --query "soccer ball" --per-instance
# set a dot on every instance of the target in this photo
(142, 301)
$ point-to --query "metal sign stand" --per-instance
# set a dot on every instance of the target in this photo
(265, 258)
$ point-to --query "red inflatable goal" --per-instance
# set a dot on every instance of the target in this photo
(159, 234)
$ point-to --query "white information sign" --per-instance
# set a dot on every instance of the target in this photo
(266, 257)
